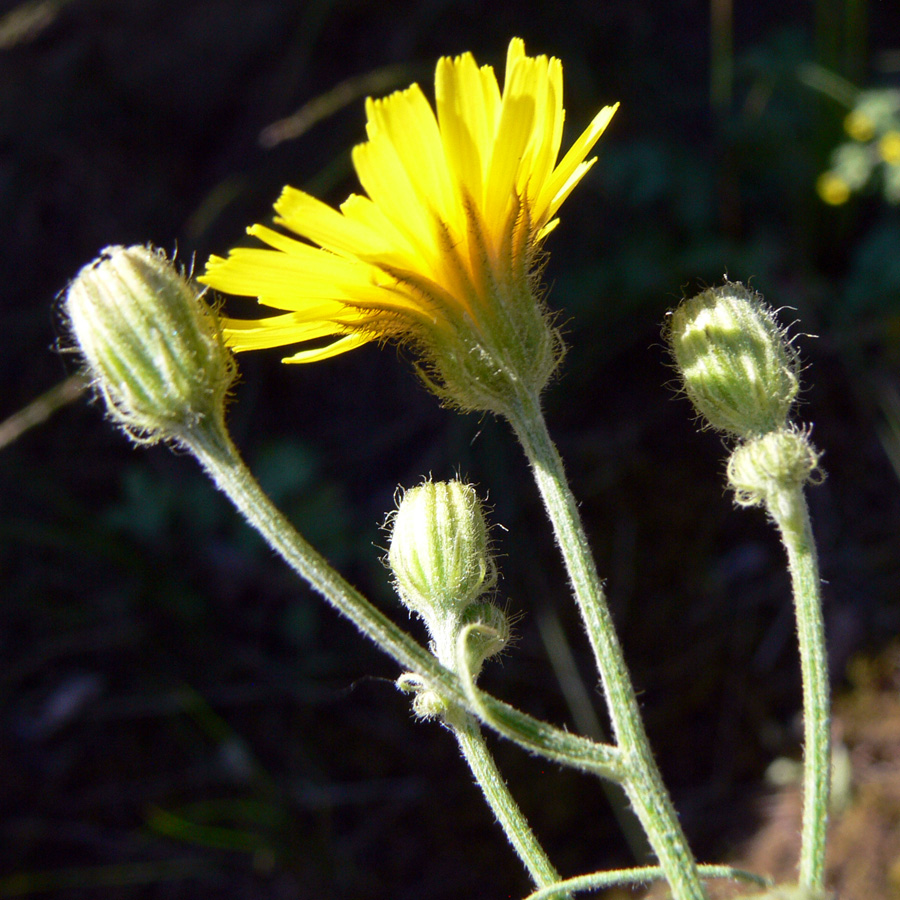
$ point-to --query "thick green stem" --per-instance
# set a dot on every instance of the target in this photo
(643, 783)
(218, 456)
(514, 824)
(789, 510)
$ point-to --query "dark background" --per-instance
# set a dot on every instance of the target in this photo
(181, 717)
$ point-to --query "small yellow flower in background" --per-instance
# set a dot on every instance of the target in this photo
(889, 148)
(832, 189)
(859, 126)
(441, 252)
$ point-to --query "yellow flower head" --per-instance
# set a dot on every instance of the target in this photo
(859, 126)
(833, 189)
(441, 250)
(889, 147)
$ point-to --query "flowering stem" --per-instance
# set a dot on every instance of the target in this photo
(788, 508)
(642, 783)
(212, 447)
(515, 825)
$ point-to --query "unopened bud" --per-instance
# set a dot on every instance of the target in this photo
(440, 551)
(151, 345)
(737, 366)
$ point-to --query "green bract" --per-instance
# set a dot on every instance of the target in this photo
(764, 467)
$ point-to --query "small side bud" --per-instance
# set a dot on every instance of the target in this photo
(488, 633)
(441, 558)
(440, 551)
(737, 366)
(427, 704)
(762, 469)
(151, 345)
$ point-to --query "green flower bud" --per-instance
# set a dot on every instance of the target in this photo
(737, 366)
(150, 344)
(441, 558)
(440, 552)
(761, 470)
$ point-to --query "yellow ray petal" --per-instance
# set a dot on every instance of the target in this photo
(569, 186)
(467, 102)
(350, 342)
(275, 331)
(531, 80)
(388, 184)
(549, 127)
(320, 223)
(514, 52)
(574, 157)
(513, 134)
(408, 113)
(284, 279)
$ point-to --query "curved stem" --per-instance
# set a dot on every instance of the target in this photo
(791, 514)
(606, 761)
(221, 460)
(218, 456)
(643, 783)
(644, 875)
(514, 824)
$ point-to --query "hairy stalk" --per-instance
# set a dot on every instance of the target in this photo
(791, 514)
(514, 824)
(643, 783)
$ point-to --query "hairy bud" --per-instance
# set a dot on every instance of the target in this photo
(151, 345)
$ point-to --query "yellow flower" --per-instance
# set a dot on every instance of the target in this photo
(859, 126)
(441, 250)
(833, 189)
(889, 147)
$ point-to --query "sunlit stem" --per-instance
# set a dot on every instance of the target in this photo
(642, 783)
(789, 510)
(507, 811)
(219, 457)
